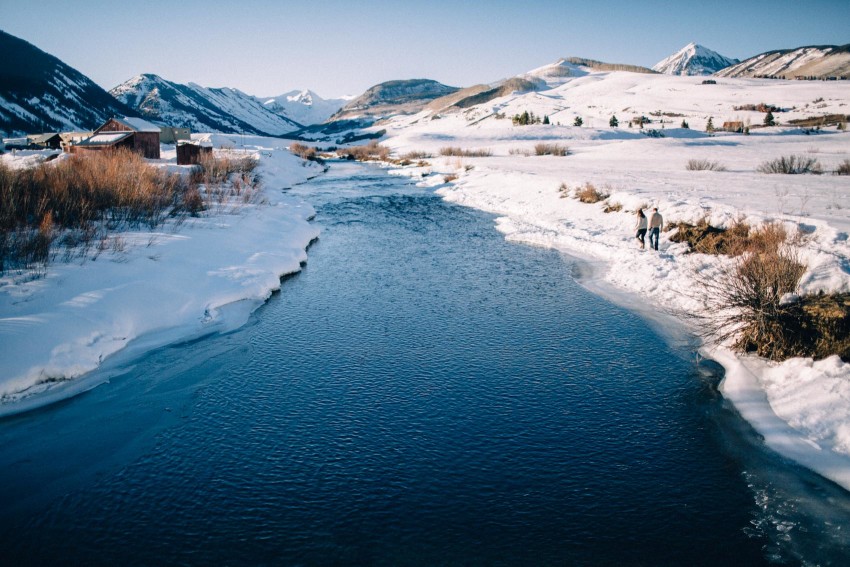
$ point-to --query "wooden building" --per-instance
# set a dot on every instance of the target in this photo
(132, 133)
(190, 154)
(50, 141)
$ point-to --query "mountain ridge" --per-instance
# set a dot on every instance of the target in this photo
(693, 59)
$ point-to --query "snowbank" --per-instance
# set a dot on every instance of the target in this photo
(801, 407)
(151, 288)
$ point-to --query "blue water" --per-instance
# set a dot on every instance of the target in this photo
(422, 393)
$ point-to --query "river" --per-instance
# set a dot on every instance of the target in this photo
(422, 393)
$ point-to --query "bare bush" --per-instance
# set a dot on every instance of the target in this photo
(519, 152)
(791, 165)
(612, 208)
(460, 152)
(743, 305)
(588, 193)
(74, 202)
(738, 239)
(843, 168)
(304, 151)
(449, 178)
(551, 150)
(416, 155)
(704, 165)
(373, 151)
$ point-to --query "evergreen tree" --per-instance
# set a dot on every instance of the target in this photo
(685, 124)
(546, 119)
(768, 119)
(709, 127)
(578, 121)
(613, 123)
(842, 126)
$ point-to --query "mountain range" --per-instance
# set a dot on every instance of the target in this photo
(39, 93)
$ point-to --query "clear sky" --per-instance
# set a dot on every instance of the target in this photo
(267, 48)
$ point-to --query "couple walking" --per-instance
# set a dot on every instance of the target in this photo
(655, 222)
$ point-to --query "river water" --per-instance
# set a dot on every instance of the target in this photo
(422, 393)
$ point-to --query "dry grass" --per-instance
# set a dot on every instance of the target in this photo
(373, 151)
(304, 151)
(588, 193)
(612, 208)
(704, 165)
(843, 168)
(415, 156)
(550, 150)
(449, 178)
(519, 152)
(77, 201)
(791, 165)
(460, 152)
(739, 239)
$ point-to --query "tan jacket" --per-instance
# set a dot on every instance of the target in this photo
(655, 221)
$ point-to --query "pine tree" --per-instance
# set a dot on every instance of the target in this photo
(685, 124)
(578, 121)
(768, 119)
(613, 123)
(709, 126)
(546, 119)
(842, 126)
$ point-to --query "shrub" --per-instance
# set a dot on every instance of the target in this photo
(704, 165)
(449, 178)
(791, 165)
(612, 208)
(80, 198)
(734, 241)
(519, 152)
(416, 155)
(460, 152)
(843, 168)
(588, 193)
(578, 121)
(550, 150)
(371, 151)
(303, 151)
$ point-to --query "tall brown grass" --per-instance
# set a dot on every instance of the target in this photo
(79, 199)
(460, 152)
(542, 149)
(373, 151)
(588, 193)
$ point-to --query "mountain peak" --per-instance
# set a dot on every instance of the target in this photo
(693, 59)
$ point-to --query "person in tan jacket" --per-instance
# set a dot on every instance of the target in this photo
(655, 224)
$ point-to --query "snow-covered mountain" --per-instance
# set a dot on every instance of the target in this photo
(200, 108)
(693, 59)
(305, 107)
(40, 93)
(817, 62)
(394, 97)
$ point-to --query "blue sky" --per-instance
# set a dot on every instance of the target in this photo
(343, 47)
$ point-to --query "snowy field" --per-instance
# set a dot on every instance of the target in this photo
(801, 407)
(151, 288)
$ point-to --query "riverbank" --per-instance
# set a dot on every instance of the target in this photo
(535, 198)
(152, 288)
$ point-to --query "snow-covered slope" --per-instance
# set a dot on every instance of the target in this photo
(800, 406)
(815, 62)
(304, 107)
(394, 97)
(202, 109)
(40, 93)
(693, 59)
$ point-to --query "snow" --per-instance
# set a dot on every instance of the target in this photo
(801, 407)
(139, 124)
(151, 288)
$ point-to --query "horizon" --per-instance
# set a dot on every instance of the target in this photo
(334, 49)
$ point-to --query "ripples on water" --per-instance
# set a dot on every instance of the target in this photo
(423, 393)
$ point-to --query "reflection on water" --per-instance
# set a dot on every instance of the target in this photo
(422, 393)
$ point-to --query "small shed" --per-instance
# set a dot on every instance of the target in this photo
(174, 135)
(51, 140)
(191, 154)
(144, 136)
(105, 141)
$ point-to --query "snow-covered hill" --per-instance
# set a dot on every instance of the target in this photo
(304, 107)
(693, 59)
(40, 93)
(394, 97)
(200, 108)
(817, 62)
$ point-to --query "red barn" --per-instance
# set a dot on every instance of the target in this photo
(133, 133)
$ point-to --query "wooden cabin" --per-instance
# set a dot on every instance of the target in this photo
(50, 141)
(132, 133)
(190, 154)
